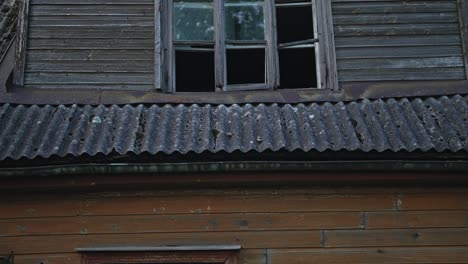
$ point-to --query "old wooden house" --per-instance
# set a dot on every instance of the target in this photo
(233, 131)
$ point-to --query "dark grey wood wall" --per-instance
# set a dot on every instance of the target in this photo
(104, 44)
(397, 40)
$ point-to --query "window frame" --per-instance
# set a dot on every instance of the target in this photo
(326, 70)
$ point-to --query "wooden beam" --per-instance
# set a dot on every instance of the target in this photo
(6, 66)
(22, 36)
(220, 49)
(157, 44)
(463, 15)
(327, 56)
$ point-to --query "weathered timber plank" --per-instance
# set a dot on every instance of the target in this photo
(436, 201)
(180, 223)
(92, 10)
(380, 74)
(387, 7)
(106, 87)
(65, 244)
(89, 78)
(373, 19)
(70, 258)
(441, 62)
(396, 30)
(21, 43)
(417, 219)
(92, 44)
(246, 256)
(326, 49)
(91, 66)
(463, 15)
(397, 237)
(194, 204)
(98, 32)
(91, 21)
(90, 55)
(371, 256)
(90, 2)
(399, 52)
(396, 41)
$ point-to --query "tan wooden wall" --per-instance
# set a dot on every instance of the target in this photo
(274, 226)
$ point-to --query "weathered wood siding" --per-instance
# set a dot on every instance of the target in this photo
(90, 44)
(276, 226)
(397, 40)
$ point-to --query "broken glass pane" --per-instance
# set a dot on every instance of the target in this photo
(244, 20)
(193, 20)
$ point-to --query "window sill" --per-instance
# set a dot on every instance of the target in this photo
(348, 92)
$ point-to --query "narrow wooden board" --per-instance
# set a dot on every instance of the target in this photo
(435, 201)
(180, 223)
(417, 219)
(397, 237)
(67, 244)
(195, 204)
(371, 256)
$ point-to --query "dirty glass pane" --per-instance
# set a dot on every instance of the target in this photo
(193, 20)
(244, 20)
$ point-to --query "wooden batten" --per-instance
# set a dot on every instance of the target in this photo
(463, 15)
(327, 56)
(21, 39)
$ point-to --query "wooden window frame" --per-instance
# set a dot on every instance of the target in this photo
(323, 42)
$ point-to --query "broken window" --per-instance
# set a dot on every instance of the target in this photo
(227, 45)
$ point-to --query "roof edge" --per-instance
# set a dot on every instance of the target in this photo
(116, 169)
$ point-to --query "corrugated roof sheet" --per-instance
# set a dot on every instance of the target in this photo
(431, 124)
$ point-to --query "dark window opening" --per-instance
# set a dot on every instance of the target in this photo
(194, 71)
(294, 23)
(245, 66)
(297, 68)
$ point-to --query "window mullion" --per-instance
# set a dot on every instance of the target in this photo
(272, 68)
(169, 49)
(220, 48)
(319, 67)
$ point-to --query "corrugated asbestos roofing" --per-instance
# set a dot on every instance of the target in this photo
(429, 124)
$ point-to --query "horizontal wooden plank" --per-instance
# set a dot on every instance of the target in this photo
(88, 78)
(391, 19)
(90, 66)
(107, 87)
(396, 30)
(180, 223)
(397, 237)
(402, 74)
(399, 52)
(442, 62)
(89, 21)
(92, 44)
(386, 7)
(86, 33)
(435, 201)
(246, 256)
(247, 239)
(417, 219)
(154, 205)
(92, 10)
(69, 258)
(370, 256)
(90, 2)
(90, 55)
(396, 41)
